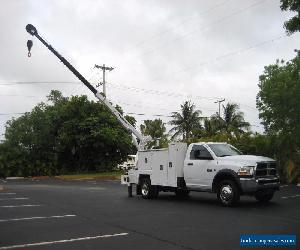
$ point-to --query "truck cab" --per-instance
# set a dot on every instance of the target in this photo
(209, 164)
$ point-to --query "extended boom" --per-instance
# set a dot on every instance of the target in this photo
(142, 140)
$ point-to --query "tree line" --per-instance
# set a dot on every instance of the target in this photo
(64, 135)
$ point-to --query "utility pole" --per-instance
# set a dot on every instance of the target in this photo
(104, 68)
(220, 101)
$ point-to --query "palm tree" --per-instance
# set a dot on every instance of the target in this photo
(186, 121)
(156, 129)
(233, 120)
(211, 126)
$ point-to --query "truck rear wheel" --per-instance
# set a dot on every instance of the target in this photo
(148, 191)
(228, 193)
(264, 197)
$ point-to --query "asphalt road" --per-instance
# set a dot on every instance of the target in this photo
(53, 214)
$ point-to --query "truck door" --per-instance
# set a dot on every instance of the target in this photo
(199, 168)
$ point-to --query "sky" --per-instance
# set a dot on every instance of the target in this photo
(163, 52)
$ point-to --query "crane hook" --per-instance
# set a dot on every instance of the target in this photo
(29, 45)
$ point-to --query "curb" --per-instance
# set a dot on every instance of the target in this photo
(106, 178)
(15, 178)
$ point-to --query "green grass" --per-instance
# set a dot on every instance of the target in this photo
(114, 175)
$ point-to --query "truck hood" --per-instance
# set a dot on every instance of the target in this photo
(242, 160)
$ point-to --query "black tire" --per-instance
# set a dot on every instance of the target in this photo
(228, 193)
(181, 193)
(147, 190)
(264, 197)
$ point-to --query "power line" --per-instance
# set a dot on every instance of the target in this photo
(91, 73)
(157, 106)
(131, 88)
(173, 94)
(175, 28)
(158, 115)
(28, 96)
(139, 105)
(229, 54)
(37, 82)
(158, 92)
(12, 113)
(220, 20)
(233, 53)
(236, 52)
(141, 114)
(149, 91)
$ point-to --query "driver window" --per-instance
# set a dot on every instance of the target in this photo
(203, 152)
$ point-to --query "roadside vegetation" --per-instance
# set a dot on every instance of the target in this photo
(64, 135)
(74, 135)
(113, 175)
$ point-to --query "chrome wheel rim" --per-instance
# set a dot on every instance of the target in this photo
(145, 189)
(226, 193)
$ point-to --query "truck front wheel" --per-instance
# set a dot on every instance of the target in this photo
(264, 197)
(148, 191)
(228, 193)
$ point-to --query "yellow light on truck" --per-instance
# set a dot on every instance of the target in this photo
(246, 171)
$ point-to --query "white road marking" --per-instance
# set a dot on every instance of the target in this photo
(94, 188)
(25, 205)
(8, 193)
(63, 241)
(40, 217)
(292, 196)
(7, 199)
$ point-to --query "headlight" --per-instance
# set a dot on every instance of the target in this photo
(246, 171)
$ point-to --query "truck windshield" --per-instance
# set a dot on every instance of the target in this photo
(222, 150)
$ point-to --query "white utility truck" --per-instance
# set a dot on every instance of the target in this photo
(211, 167)
(207, 167)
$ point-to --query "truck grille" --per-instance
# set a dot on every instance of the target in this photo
(266, 169)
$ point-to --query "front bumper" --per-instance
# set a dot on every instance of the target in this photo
(252, 185)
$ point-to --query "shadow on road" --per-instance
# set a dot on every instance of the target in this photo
(211, 200)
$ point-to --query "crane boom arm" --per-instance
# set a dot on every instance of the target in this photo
(142, 139)
(121, 119)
